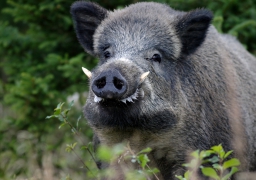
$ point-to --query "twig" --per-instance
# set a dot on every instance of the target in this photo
(82, 162)
(79, 137)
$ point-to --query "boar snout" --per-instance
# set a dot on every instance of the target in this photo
(109, 85)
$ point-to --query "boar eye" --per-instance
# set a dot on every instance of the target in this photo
(156, 58)
(106, 54)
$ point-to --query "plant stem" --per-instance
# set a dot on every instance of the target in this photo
(82, 162)
(78, 135)
(153, 172)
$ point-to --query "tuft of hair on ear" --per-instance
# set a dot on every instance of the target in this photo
(87, 16)
(192, 28)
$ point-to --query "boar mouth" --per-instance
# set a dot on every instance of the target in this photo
(117, 82)
(130, 99)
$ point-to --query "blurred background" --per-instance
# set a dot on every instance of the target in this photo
(40, 66)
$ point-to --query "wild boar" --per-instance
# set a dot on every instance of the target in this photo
(166, 79)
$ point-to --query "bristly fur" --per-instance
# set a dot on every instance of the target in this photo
(202, 92)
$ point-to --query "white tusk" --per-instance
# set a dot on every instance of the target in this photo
(87, 72)
(143, 76)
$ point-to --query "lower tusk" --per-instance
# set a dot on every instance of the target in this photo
(87, 72)
(143, 76)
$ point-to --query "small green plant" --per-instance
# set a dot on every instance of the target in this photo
(142, 159)
(62, 115)
(122, 154)
(214, 163)
(126, 159)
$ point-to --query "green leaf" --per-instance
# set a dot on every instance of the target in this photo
(186, 165)
(74, 145)
(73, 130)
(210, 151)
(217, 166)
(233, 171)
(147, 150)
(154, 170)
(214, 159)
(65, 112)
(63, 124)
(84, 147)
(59, 106)
(50, 117)
(187, 175)
(195, 154)
(77, 122)
(231, 163)
(60, 117)
(219, 150)
(179, 177)
(204, 154)
(143, 160)
(227, 154)
(69, 148)
(210, 172)
(57, 111)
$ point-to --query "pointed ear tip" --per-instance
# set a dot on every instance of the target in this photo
(208, 13)
(204, 12)
(77, 5)
(74, 6)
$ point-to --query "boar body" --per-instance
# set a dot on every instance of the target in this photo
(200, 92)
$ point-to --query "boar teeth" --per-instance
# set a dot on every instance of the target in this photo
(97, 99)
(124, 101)
(143, 76)
(87, 72)
(131, 98)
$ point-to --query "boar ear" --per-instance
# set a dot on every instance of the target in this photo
(87, 16)
(192, 29)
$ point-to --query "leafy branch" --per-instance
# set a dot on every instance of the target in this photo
(62, 115)
(222, 167)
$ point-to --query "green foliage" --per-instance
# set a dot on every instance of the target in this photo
(39, 58)
(214, 163)
(120, 153)
(125, 157)
(63, 116)
(222, 166)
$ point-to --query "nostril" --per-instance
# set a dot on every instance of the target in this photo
(118, 83)
(109, 85)
(100, 83)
